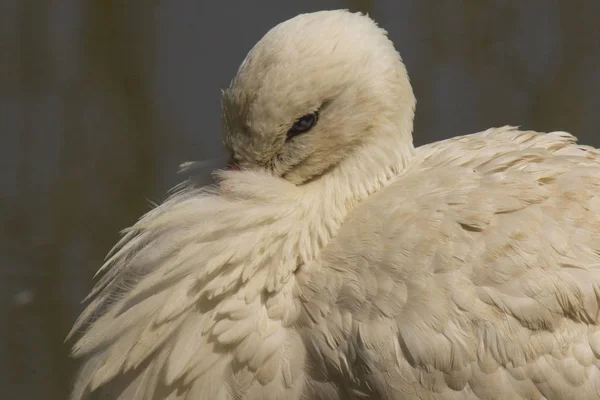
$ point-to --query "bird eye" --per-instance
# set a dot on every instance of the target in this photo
(303, 124)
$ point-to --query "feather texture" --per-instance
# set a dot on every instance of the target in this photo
(345, 263)
(480, 264)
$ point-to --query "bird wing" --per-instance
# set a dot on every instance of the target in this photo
(195, 301)
(476, 274)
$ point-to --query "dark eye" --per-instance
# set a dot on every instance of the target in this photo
(303, 124)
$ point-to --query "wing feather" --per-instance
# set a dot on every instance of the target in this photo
(482, 261)
(190, 289)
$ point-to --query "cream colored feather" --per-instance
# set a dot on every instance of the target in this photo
(343, 263)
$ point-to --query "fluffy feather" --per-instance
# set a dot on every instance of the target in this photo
(474, 274)
(345, 264)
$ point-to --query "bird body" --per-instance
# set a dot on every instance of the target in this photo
(464, 269)
(473, 275)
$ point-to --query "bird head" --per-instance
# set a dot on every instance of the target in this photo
(312, 91)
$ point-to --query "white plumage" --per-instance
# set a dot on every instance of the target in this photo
(342, 263)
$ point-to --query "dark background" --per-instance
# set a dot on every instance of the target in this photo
(100, 102)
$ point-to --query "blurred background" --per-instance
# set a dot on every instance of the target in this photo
(101, 100)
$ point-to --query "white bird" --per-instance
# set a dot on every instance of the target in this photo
(339, 262)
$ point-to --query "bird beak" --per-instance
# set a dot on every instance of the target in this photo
(233, 166)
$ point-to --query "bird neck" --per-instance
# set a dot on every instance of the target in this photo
(301, 220)
(326, 202)
(370, 168)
